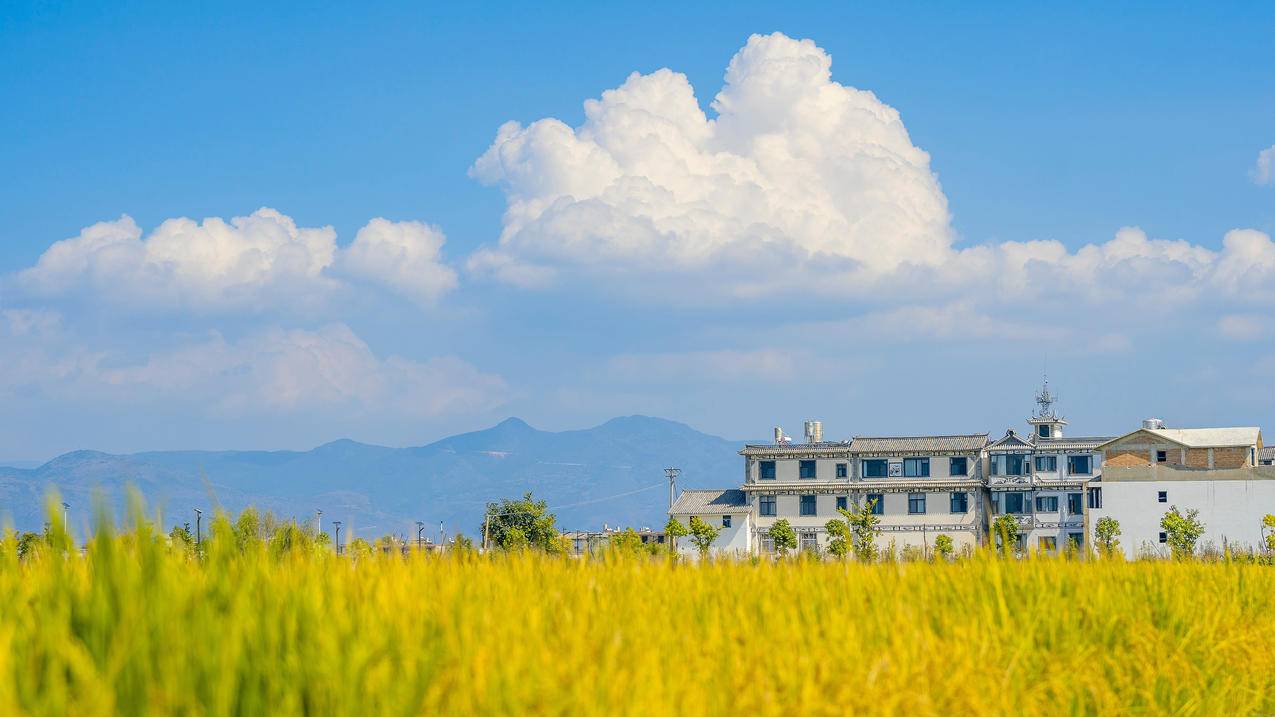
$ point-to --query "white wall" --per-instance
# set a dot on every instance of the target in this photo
(1231, 510)
(733, 541)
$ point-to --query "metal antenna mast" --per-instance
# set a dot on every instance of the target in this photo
(672, 474)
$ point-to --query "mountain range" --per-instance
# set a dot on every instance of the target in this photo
(612, 474)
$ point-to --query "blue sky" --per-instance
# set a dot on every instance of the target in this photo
(1062, 125)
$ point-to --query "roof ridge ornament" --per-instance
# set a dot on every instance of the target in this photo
(1046, 401)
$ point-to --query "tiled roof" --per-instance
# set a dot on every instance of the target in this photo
(1012, 440)
(918, 444)
(1202, 437)
(1067, 443)
(710, 501)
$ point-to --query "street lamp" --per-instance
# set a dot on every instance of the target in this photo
(199, 535)
(337, 524)
(318, 518)
(420, 528)
(65, 507)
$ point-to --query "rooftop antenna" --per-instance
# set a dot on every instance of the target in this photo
(1045, 400)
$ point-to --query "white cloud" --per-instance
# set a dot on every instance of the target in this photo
(276, 372)
(1264, 172)
(248, 263)
(404, 256)
(1242, 327)
(795, 166)
(726, 365)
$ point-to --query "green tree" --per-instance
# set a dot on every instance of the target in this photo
(359, 548)
(1268, 532)
(520, 524)
(703, 535)
(673, 529)
(289, 537)
(863, 522)
(627, 543)
(784, 537)
(1005, 532)
(28, 544)
(181, 539)
(839, 537)
(1182, 530)
(943, 547)
(1106, 534)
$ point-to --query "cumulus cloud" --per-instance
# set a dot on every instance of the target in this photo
(1264, 172)
(251, 263)
(794, 166)
(275, 371)
(726, 365)
(802, 185)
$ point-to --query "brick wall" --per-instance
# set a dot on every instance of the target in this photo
(1125, 458)
(1230, 457)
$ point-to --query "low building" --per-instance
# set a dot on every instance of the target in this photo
(724, 509)
(1216, 471)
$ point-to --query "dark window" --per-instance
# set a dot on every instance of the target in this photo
(916, 503)
(1095, 497)
(807, 505)
(1078, 465)
(1162, 496)
(1077, 540)
(1009, 464)
(1042, 431)
(960, 502)
(1164, 537)
(1046, 464)
(916, 467)
(958, 467)
(1161, 456)
(1049, 544)
(1013, 502)
(806, 469)
(1047, 504)
(874, 468)
(766, 505)
(1074, 504)
(878, 503)
(766, 470)
(725, 521)
(809, 542)
(843, 470)
(842, 502)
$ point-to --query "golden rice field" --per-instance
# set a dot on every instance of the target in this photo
(135, 627)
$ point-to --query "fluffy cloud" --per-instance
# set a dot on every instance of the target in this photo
(1264, 172)
(275, 371)
(247, 263)
(799, 185)
(794, 166)
(729, 365)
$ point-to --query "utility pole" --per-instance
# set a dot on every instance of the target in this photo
(420, 528)
(486, 521)
(199, 535)
(672, 474)
(337, 525)
(442, 534)
(318, 518)
(65, 507)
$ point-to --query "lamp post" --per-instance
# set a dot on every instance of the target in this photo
(199, 535)
(318, 518)
(420, 528)
(65, 507)
(337, 525)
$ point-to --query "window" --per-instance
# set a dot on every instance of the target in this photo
(807, 505)
(725, 521)
(1164, 537)
(1162, 496)
(1095, 498)
(1047, 504)
(1076, 540)
(958, 467)
(1161, 456)
(766, 470)
(809, 541)
(767, 544)
(878, 503)
(1046, 464)
(1042, 430)
(1014, 503)
(806, 469)
(916, 467)
(843, 470)
(1009, 464)
(960, 502)
(1049, 544)
(874, 468)
(916, 503)
(766, 505)
(842, 502)
(1078, 465)
(1074, 504)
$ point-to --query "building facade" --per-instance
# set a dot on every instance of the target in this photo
(1055, 486)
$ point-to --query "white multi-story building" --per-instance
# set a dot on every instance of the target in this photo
(1216, 471)
(1056, 486)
